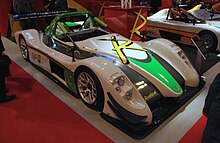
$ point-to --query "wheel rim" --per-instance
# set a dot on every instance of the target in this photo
(207, 39)
(23, 48)
(87, 88)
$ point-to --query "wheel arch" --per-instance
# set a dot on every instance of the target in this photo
(23, 47)
(30, 36)
(20, 36)
(78, 68)
(105, 70)
(101, 67)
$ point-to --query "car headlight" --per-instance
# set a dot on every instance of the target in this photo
(128, 96)
(122, 86)
(125, 92)
(117, 78)
(121, 81)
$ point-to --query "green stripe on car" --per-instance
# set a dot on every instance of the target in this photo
(159, 72)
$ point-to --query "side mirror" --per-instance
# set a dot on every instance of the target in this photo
(212, 15)
(194, 21)
(72, 50)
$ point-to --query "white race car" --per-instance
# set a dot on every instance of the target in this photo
(121, 78)
(181, 25)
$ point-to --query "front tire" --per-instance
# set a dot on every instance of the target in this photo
(210, 40)
(89, 88)
(23, 48)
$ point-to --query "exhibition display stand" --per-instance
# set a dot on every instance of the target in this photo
(128, 22)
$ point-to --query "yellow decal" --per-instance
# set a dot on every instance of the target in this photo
(197, 7)
(150, 95)
(165, 12)
(135, 28)
(119, 49)
(208, 23)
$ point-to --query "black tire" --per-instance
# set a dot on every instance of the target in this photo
(23, 48)
(89, 88)
(210, 40)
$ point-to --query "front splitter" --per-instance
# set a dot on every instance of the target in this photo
(166, 107)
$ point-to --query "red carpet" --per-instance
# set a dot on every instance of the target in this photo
(37, 116)
(194, 135)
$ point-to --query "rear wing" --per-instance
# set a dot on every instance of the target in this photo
(33, 15)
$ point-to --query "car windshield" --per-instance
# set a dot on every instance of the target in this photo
(75, 23)
(180, 14)
(205, 15)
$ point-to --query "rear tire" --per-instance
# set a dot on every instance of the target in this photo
(210, 40)
(23, 48)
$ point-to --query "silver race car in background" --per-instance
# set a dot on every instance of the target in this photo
(181, 25)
